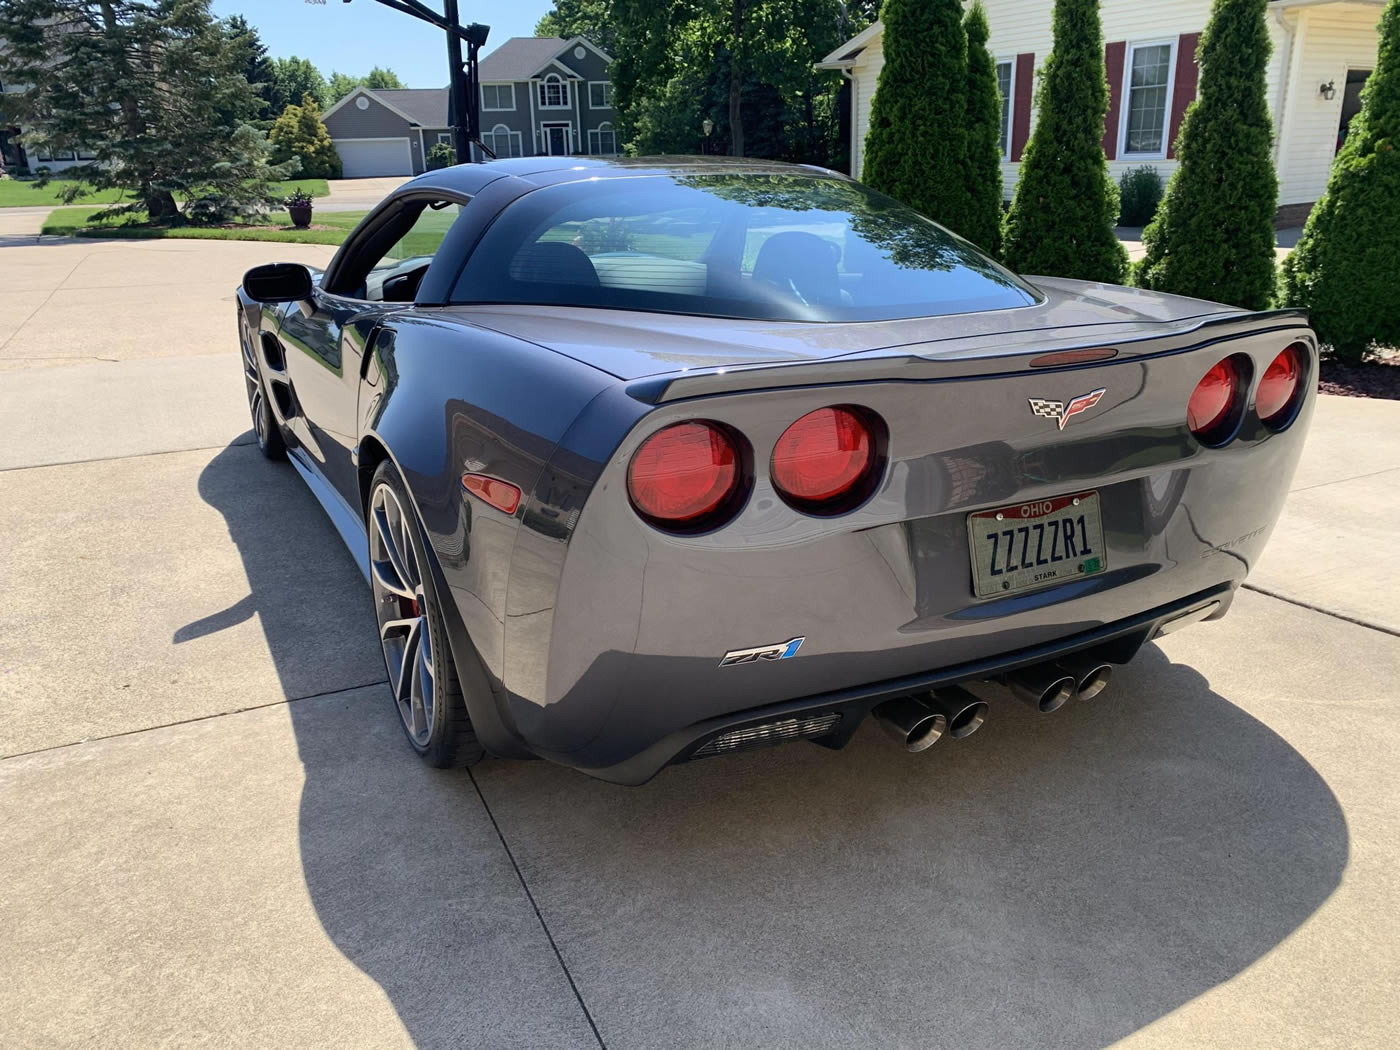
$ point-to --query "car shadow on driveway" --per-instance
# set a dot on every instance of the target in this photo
(1056, 880)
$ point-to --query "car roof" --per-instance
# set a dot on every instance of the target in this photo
(543, 171)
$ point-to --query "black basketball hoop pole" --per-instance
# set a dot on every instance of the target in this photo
(464, 99)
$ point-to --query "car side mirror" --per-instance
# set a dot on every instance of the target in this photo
(278, 283)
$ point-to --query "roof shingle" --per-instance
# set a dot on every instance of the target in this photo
(519, 58)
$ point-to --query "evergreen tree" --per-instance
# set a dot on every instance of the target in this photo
(1213, 236)
(1062, 215)
(1344, 268)
(251, 57)
(983, 136)
(916, 150)
(299, 133)
(154, 89)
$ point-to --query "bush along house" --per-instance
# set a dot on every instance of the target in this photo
(539, 95)
(1323, 51)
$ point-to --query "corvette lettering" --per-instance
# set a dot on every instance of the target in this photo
(782, 651)
(1062, 412)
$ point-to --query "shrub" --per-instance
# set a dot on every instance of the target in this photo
(1062, 216)
(983, 225)
(1344, 268)
(441, 156)
(1139, 193)
(1213, 237)
(299, 133)
(916, 150)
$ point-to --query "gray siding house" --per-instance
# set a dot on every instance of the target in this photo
(539, 95)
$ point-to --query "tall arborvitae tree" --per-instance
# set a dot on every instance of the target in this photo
(916, 149)
(1213, 236)
(1345, 267)
(153, 89)
(1063, 213)
(983, 226)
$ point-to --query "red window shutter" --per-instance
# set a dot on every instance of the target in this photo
(1021, 105)
(1113, 56)
(1184, 89)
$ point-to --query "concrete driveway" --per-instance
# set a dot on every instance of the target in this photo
(212, 833)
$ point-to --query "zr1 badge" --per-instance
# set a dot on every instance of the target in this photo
(782, 651)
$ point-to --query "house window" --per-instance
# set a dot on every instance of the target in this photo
(503, 142)
(1005, 73)
(600, 94)
(444, 138)
(86, 154)
(602, 140)
(57, 155)
(1149, 94)
(554, 92)
(497, 96)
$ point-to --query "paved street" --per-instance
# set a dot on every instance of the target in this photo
(213, 834)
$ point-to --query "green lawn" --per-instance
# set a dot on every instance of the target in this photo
(81, 222)
(20, 193)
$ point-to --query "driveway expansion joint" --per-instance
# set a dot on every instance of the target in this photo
(1319, 609)
(587, 1014)
(199, 718)
(133, 455)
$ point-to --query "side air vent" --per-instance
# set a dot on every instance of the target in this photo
(272, 353)
(767, 733)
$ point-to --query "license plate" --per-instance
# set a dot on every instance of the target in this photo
(1035, 544)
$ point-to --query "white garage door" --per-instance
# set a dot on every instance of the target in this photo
(364, 158)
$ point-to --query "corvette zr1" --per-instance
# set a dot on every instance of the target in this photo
(650, 460)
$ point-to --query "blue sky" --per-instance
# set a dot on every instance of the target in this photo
(357, 36)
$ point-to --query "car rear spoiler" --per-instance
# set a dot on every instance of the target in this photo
(967, 358)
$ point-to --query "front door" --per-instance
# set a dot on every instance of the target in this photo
(556, 139)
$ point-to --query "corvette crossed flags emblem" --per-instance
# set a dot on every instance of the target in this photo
(1062, 412)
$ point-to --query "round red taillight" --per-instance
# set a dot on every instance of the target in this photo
(1279, 388)
(1212, 411)
(685, 476)
(826, 460)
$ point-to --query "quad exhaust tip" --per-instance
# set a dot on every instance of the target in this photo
(1045, 687)
(1090, 675)
(964, 712)
(912, 723)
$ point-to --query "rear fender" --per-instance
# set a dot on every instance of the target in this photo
(440, 399)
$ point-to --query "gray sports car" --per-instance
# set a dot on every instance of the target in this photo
(651, 460)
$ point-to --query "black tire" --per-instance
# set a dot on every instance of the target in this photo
(265, 427)
(446, 738)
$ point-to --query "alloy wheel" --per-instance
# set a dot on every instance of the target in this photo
(401, 607)
(257, 399)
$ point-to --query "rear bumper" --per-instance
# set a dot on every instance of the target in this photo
(1116, 642)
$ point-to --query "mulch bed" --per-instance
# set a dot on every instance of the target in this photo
(1376, 378)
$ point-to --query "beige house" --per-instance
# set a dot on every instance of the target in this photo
(1323, 52)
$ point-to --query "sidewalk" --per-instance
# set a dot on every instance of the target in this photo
(1131, 236)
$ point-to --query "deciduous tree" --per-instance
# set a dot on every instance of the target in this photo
(1344, 268)
(745, 65)
(294, 78)
(1213, 235)
(1064, 209)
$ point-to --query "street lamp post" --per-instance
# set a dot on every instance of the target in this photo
(463, 110)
